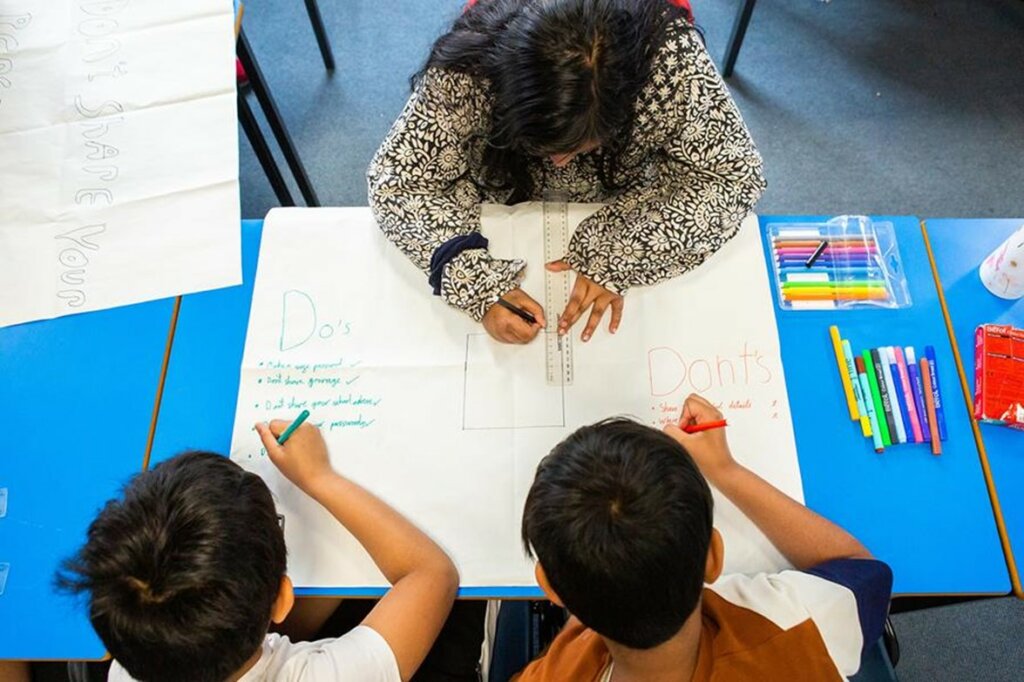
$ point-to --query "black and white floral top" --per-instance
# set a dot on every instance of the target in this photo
(689, 177)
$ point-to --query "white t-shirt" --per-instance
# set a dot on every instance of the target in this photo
(361, 655)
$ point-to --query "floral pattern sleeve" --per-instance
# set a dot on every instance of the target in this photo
(422, 193)
(705, 177)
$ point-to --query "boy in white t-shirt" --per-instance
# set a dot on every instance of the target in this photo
(186, 572)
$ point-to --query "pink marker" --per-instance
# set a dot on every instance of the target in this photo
(908, 393)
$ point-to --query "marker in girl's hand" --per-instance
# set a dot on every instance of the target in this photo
(706, 426)
(287, 433)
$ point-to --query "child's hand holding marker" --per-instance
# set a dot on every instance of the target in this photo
(701, 432)
(303, 458)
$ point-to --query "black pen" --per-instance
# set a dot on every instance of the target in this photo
(817, 253)
(517, 310)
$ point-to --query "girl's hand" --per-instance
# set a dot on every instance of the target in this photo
(505, 326)
(587, 294)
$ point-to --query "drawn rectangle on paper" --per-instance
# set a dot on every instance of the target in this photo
(504, 390)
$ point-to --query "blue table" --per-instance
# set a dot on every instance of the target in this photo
(898, 503)
(959, 246)
(929, 517)
(77, 395)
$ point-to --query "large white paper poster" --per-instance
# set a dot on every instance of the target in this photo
(418, 404)
(118, 153)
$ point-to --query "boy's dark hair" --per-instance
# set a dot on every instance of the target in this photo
(183, 570)
(620, 518)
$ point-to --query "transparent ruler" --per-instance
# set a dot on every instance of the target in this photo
(557, 349)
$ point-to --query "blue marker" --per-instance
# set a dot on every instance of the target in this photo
(929, 352)
(901, 397)
(913, 369)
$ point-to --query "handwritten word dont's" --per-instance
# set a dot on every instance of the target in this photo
(671, 370)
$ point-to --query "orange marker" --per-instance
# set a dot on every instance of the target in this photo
(929, 400)
(706, 426)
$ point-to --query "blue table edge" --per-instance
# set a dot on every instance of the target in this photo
(990, 485)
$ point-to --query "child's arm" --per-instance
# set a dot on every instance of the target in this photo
(424, 580)
(804, 538)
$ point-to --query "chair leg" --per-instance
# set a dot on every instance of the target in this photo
(259, 145)
(321, 35)
(739, 31)
(259, 86)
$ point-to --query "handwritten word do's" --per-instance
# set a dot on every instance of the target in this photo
(670, 370)
(301, 322)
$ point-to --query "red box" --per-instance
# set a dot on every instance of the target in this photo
(999, 375)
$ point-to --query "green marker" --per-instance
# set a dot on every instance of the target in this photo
(291, 427)
(876, 398)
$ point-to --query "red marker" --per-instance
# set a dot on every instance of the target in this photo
(706, 426)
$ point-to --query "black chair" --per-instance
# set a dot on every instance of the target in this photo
(251, 127)
(321, 35)
(739, 31)
(277, 126)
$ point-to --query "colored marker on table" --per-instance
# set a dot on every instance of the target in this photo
(706, 426)
(893, 371)
(790, 273)
(869, 404)
(824, 294)
(876, 397)
(798, 285)
(896, 429)
(844, 374)
(908, 395)
(887, 397)
(929, 399)
(287, 433)
(914, 371)
(852, 261)
(929, 352)
(851, 367)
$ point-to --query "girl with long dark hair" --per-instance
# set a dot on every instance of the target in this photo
(614, 101)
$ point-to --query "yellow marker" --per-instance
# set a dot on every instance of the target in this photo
(844, 375)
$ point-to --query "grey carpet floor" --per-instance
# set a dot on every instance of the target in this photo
(858, 106)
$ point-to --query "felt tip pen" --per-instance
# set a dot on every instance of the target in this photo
(918, 388)
(908, 395)
(940, 415)
(706, 426)
(865, 386)
(929, 399)
(851, 367)
(906, 432)
(287, 433)
(889, 436)
(523, 314)
(844, 374)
